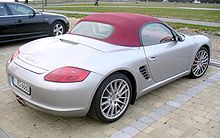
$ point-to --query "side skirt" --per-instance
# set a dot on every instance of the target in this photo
(161, 83)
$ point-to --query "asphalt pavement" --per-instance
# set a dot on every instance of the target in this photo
(179, 109)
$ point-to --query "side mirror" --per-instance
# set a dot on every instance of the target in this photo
(32, 14)
(180, 38)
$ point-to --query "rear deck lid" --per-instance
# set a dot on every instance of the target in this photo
(49, 53)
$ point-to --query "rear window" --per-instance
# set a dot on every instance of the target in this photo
(93, 29)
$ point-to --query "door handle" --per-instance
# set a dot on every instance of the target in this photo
(19, 21)
(153, 59)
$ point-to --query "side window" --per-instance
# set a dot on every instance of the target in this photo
(3, 11)
(155, 33)
(18, 9)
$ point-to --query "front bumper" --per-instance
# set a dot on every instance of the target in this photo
(67, 27)
(63, 99)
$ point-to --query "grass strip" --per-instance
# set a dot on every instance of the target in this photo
(198, 28)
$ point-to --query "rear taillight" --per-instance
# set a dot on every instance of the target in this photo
(67, 75)
(17, 52)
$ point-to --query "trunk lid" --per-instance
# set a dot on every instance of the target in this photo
(52, 52)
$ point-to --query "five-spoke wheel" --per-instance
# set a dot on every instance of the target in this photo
(58, 28)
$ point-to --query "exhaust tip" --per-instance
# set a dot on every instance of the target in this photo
(20, 100)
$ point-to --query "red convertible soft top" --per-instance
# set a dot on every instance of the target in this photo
(127, 26)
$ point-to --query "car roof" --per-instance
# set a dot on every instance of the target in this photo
(13, 0)
(126, 26)
(6, 2)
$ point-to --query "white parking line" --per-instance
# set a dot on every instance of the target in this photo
(3, 134)
(145, 121)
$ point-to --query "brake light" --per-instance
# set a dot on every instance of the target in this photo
(17, 52)
(67, 75)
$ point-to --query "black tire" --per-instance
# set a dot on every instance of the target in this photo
(193, 73)
(53, 26)
(96, 111)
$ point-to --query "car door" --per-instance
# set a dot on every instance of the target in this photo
(28, 22)
(166, 56)
(7, 25)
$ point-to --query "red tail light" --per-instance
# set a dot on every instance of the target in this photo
(17, 52)
(67, 75)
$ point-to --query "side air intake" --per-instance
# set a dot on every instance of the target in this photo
(144, 72)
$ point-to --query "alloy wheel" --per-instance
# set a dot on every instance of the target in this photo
(115, 98)
(58, 29)
(200, 63)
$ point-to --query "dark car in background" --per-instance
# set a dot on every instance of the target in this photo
(19, 22)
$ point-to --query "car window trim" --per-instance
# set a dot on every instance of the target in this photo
(17, 15)
(173, 32)
(8, 13)
(5, 10)
(113, 30)
(11, 13)
(37, 13)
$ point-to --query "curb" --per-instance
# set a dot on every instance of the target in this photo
(214, 63)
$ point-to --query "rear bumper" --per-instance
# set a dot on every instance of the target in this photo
(55, 111)
(63, 99)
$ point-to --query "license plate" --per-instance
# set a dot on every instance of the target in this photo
(22, 86)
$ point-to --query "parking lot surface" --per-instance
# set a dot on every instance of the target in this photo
(183, 108)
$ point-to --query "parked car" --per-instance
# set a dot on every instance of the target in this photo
(197, 2)
(105, 64)
(19, 22)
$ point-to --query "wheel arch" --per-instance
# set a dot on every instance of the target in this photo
(130, 77)
(207, 47)
(93, 106)
(191, 75)
(55, 20)
(133, 84)
(197, 49)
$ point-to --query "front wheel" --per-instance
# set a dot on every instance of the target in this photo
(112, 98)
(200, 63)
(57, 28)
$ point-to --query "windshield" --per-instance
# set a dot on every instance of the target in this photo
(93, 29)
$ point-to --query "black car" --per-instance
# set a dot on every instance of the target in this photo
(19, 22)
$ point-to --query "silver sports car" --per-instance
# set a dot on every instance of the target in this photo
(104, 64)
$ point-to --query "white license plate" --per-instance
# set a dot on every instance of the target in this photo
(22, 86)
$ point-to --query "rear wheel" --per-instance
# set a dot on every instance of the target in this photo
(112, 98)
(200, 63)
